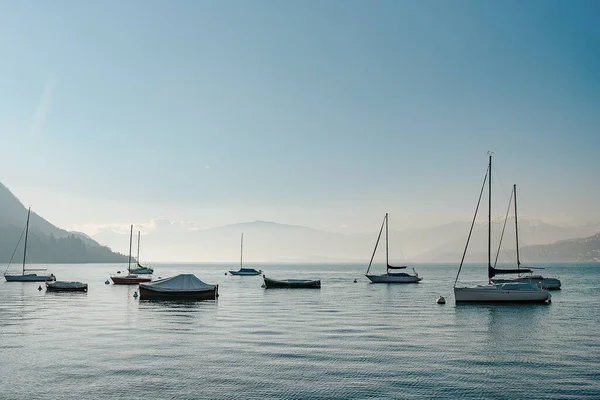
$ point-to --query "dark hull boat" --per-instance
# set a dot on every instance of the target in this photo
(292, 283)
(244, 271)
(130, 279)
(180, 287)
(61, 286)
(29, 278)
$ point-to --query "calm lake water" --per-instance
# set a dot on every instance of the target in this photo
(346, 340)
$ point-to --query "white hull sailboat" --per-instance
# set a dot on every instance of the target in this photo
(500, 292)
(29, 276)
(537, 280)
(390, 277)
(140, 269)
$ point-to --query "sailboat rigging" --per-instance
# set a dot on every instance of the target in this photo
(244, 271)
(28, 277)
(502, 292)
(538, 280)
(390, 277)
(131, 278)
(140, 269)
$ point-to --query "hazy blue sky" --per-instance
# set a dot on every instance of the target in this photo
(322, 113)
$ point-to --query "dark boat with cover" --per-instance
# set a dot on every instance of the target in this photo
(180, 287)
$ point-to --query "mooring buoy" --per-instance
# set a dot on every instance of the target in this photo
(441, 300)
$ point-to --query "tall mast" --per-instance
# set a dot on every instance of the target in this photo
(490, 215)
(387, 261)
(241, 250)
(516, 226)
(26, 232)
(138, 252)
(130, 240)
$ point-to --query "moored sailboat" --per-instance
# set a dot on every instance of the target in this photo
(130, 278)
(140, 269)
(537, 280)
(501, 292)
(244, 271)
(26, 274)
(390, 277)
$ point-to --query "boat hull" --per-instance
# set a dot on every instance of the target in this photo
(394, 278)
(245, 273)
(52, 287)
(144, 271)
(292, 284)
(497, 294)
(544, 283)
(196, 295)
(129, 280)
(29, 278)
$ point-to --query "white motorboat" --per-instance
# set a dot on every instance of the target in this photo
(501, 292)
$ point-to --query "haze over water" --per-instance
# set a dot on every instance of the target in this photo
(347, 340)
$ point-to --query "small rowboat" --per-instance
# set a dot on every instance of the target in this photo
(62, 286)
(292, 283)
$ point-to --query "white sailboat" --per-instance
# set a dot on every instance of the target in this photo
(140, 269)
(502, 292)
(390, 277)
(26, 274)
(537, 280)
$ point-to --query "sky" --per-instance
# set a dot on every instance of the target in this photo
(319, 113)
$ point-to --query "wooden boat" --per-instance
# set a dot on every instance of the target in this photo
(244, 271)
(390, 277)
(63, 286)
(180, 287)
(292, 283)
(131, 278)
(537, 280)
(24, 276)
(500, 292)
(140, 269)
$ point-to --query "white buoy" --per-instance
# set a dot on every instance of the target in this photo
(135, 295)
(441, 300)
(107, 282)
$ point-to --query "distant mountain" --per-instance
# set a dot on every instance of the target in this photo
(266, 241)
(46, 242)
(570, 250)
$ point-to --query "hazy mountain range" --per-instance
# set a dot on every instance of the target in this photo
(46, 242)
(273, 242)
(164, 240)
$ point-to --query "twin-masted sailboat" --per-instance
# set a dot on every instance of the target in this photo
(26, 274)
(140, 269)
(390, 277)
(131, 278)
(516, 292)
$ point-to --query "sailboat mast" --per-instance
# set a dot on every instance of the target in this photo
(516, 227)
(130, 242)
(241, 250)
(387, 261)
(137, 259)
(490, 215)
(26, 232)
